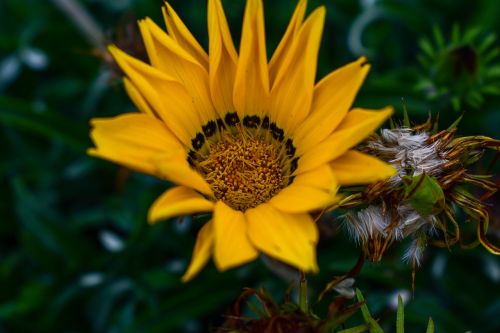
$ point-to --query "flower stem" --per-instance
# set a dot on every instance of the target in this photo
(303, 304)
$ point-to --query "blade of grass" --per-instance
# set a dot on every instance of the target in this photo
(430, 326)
(400, 319)
(374, 326)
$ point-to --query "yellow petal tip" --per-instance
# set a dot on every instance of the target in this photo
(152, 220)
(186, 278)
(91, 151)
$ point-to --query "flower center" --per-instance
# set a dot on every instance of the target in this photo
(245, 161)
(243, 171)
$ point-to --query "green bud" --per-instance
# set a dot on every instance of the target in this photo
(424, 194)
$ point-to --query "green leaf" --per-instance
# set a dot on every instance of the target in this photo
(357, 329)
(491, 89)
(374, 326)
(424, 194)
(487, 42)
(426, 46)
(493, 71)
(20, 114)
(455, 123)
(438, 36)
(392, 125)
(471, 34)
(455, 102)
(475, 98)
(400, 319)
(491, 55)
(430, 326)
(31, 298)
(45, 226)
(364, 308)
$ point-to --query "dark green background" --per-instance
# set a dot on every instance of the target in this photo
(76, 253)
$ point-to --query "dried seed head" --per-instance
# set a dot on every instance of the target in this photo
(410, 153)
(415, 252)
(421, 201)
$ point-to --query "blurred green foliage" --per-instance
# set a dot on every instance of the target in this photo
(76, 253)
(462, 69)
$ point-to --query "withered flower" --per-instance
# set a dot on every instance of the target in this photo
(423, 201)
(286, 316)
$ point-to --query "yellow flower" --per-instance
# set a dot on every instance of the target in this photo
(256, 143)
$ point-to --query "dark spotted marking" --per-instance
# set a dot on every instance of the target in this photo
(193, 154)
(265, 122)
(232, 119)
(251, 121)
(192, 157)
(198, 141)
(277, 132)
(290, 148)
(294, 164)
(209, 128)
(220, 124)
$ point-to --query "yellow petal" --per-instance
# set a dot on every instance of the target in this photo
(175, 168)
(133, 139)
(333, 96)
(301, 198)
(168, 56)
(144, 77)
(355, 127)
(167, 97)
(181, 34)
(291, 238)
(178, 201)
(232, 246)
(251, 86)
(201, 252)
(355, 168)
(292, 92)
(321, 177)
(223, 59)
(286, 42)
(137, 98)
(163, 49)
